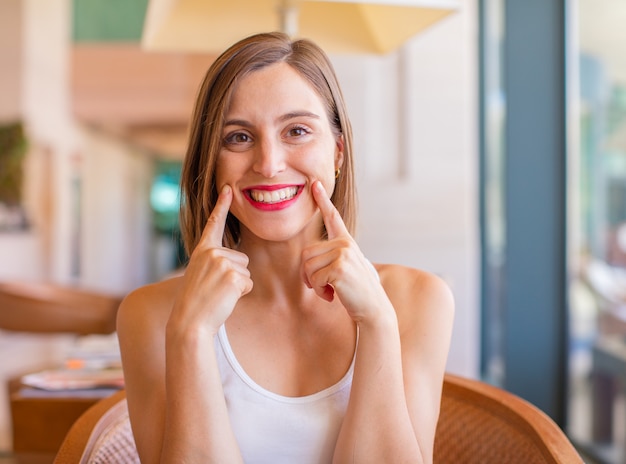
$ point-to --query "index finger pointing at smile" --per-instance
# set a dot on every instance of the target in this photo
(332, 219)
(214, 229)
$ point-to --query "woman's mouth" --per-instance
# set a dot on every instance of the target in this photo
(273, 197)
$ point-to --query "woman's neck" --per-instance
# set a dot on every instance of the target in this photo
(276, 269)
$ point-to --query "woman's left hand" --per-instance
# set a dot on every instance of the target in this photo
(337, 265)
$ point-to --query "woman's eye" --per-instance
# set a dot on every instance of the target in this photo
(298, 131)
(237, 138)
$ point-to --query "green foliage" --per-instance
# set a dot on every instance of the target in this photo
(12, 152)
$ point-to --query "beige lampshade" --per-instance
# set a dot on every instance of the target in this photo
(347, 26)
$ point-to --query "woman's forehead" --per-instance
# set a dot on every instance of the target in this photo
(279, 89)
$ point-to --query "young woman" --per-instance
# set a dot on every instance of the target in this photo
(281, 343)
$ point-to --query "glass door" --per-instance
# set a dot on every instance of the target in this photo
(597, 229)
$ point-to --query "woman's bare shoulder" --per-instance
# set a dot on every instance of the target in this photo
(416, 293)
(141, 323)
(152, 302)
(401, 279)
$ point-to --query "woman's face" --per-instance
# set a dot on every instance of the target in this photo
(276, 141)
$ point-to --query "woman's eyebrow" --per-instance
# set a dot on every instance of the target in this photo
(237, 122)
(298, 114)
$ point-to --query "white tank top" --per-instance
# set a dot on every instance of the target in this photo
(275, 429)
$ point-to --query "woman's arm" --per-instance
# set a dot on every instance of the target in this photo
(405, 323)
(173, 387)
(398, 376)
(140, 328)
(175, 397)
(197, 426)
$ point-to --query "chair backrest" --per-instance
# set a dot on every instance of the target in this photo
(52, 308)
(102, 435)
(480, 423)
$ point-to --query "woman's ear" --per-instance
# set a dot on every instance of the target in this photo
(339, 152)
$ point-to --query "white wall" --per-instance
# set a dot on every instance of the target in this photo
(46, 108)
(115, 220)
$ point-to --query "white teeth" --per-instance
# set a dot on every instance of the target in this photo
(274, 196)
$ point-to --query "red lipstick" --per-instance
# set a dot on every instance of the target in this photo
(265, 198)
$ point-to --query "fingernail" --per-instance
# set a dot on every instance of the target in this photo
(226, 189)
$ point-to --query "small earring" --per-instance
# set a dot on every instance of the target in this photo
(337, 172)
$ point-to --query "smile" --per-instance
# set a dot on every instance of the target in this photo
(270, 197)
(273, 197)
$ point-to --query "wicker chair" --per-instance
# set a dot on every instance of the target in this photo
(478, 423)
(102, 435)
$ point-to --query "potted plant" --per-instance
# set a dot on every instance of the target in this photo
(12, 152)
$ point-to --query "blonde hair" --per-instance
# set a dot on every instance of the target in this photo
(199, 192)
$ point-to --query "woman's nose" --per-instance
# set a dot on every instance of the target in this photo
(269, 158)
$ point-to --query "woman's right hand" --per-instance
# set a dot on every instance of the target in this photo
(215, 278)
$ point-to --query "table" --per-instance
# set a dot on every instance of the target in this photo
(41, 418)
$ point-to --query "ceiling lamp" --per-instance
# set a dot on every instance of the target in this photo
(347, 27)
